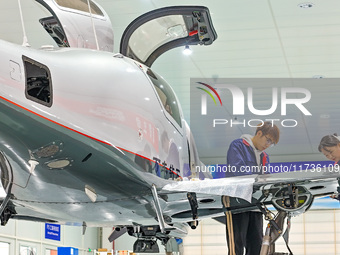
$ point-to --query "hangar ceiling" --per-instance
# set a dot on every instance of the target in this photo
(256, 39)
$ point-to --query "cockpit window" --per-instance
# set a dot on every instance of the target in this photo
(166, 96)
(80, 5)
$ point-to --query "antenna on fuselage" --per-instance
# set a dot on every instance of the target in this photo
(93, 26)
(25, 41)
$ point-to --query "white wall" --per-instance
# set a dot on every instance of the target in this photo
(18, 233)
(315, 232)
(105, 242)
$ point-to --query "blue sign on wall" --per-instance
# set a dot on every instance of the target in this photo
(68, 251)
(52, 231)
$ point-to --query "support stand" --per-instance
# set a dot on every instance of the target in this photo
(273, 231)
(229, 225)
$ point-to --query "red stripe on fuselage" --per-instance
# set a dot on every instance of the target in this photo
(41, 116)
(91, 137)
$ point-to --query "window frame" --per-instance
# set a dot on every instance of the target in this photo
(177, 123)
(94, 8)
(49, 78)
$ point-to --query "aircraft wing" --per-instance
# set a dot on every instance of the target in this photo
(233, 187)
(292, 192)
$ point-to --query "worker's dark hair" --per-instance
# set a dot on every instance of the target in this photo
(269, 128)
(329, 141)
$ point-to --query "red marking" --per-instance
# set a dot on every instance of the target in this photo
(116, 114)
(137, 155)
(264, 159)
(149, 160)
(91, 137)
(193, 32)
(245, 142)
(54, 121)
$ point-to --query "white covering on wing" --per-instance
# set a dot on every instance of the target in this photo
(233, 187)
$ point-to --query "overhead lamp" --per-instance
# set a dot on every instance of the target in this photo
(187, 51)
(306, 5)
(318, 76)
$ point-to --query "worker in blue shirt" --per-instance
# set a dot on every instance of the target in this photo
(246, 156)
(330, 147)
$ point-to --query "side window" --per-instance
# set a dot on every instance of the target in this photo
(4, 248)
(27, 250)
(166, 96)
(80, 5)
(38, 82)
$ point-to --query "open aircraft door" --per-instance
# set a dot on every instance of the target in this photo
(160, 30)
(155, 32)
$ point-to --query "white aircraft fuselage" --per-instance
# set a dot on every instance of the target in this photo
(102, 121)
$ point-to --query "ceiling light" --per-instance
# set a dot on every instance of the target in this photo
(306, 5)
(187, 51)
(318, 76)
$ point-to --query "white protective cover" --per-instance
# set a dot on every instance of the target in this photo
(233, 187)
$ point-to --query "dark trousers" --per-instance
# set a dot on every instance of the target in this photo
(248, 232)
